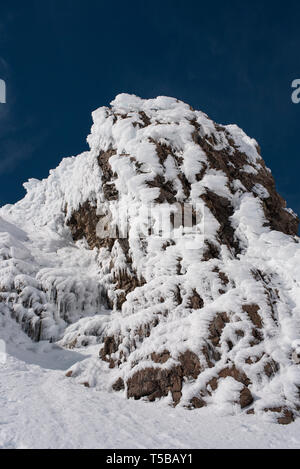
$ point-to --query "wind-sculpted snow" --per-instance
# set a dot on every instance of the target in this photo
(200, 313)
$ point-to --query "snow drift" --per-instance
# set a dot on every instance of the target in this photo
(208, 315)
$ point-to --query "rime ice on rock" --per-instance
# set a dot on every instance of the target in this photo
(214, 321)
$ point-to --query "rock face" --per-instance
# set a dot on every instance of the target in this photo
(207, 309)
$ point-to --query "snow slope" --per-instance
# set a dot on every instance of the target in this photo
(41, 409)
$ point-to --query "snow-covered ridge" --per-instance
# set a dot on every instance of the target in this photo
(217, 324)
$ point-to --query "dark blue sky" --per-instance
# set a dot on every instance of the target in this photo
(62, 59)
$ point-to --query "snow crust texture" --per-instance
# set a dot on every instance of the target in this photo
(208, 315)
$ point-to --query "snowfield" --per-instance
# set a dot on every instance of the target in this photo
(42, 409)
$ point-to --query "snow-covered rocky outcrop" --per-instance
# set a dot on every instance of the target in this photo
(168, 245)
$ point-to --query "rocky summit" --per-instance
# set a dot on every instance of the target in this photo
(167, 246)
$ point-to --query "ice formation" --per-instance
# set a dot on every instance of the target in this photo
(209, 316)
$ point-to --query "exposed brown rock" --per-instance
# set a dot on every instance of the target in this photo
(277, 410)
(109, 188)
(272, 294)
(121, 299)
(163, 150)
(223, 278)
(110, 346)
(213, 384)
(83, 224)
(167, 193)
(161, 357)
(217, 326)
(271, 368)
(156, 383)
(190, 364)
(246, 398)
(274, 207)
(198, 403)
(257, 337)
(118, 385)
(252, 311)
(222, 210)
(279, 219)
(229, 344)
(211, 251)
(177, 296)
(186, 186)
(238, 375)
(195, 301)
(286, 417)
(145, 119)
